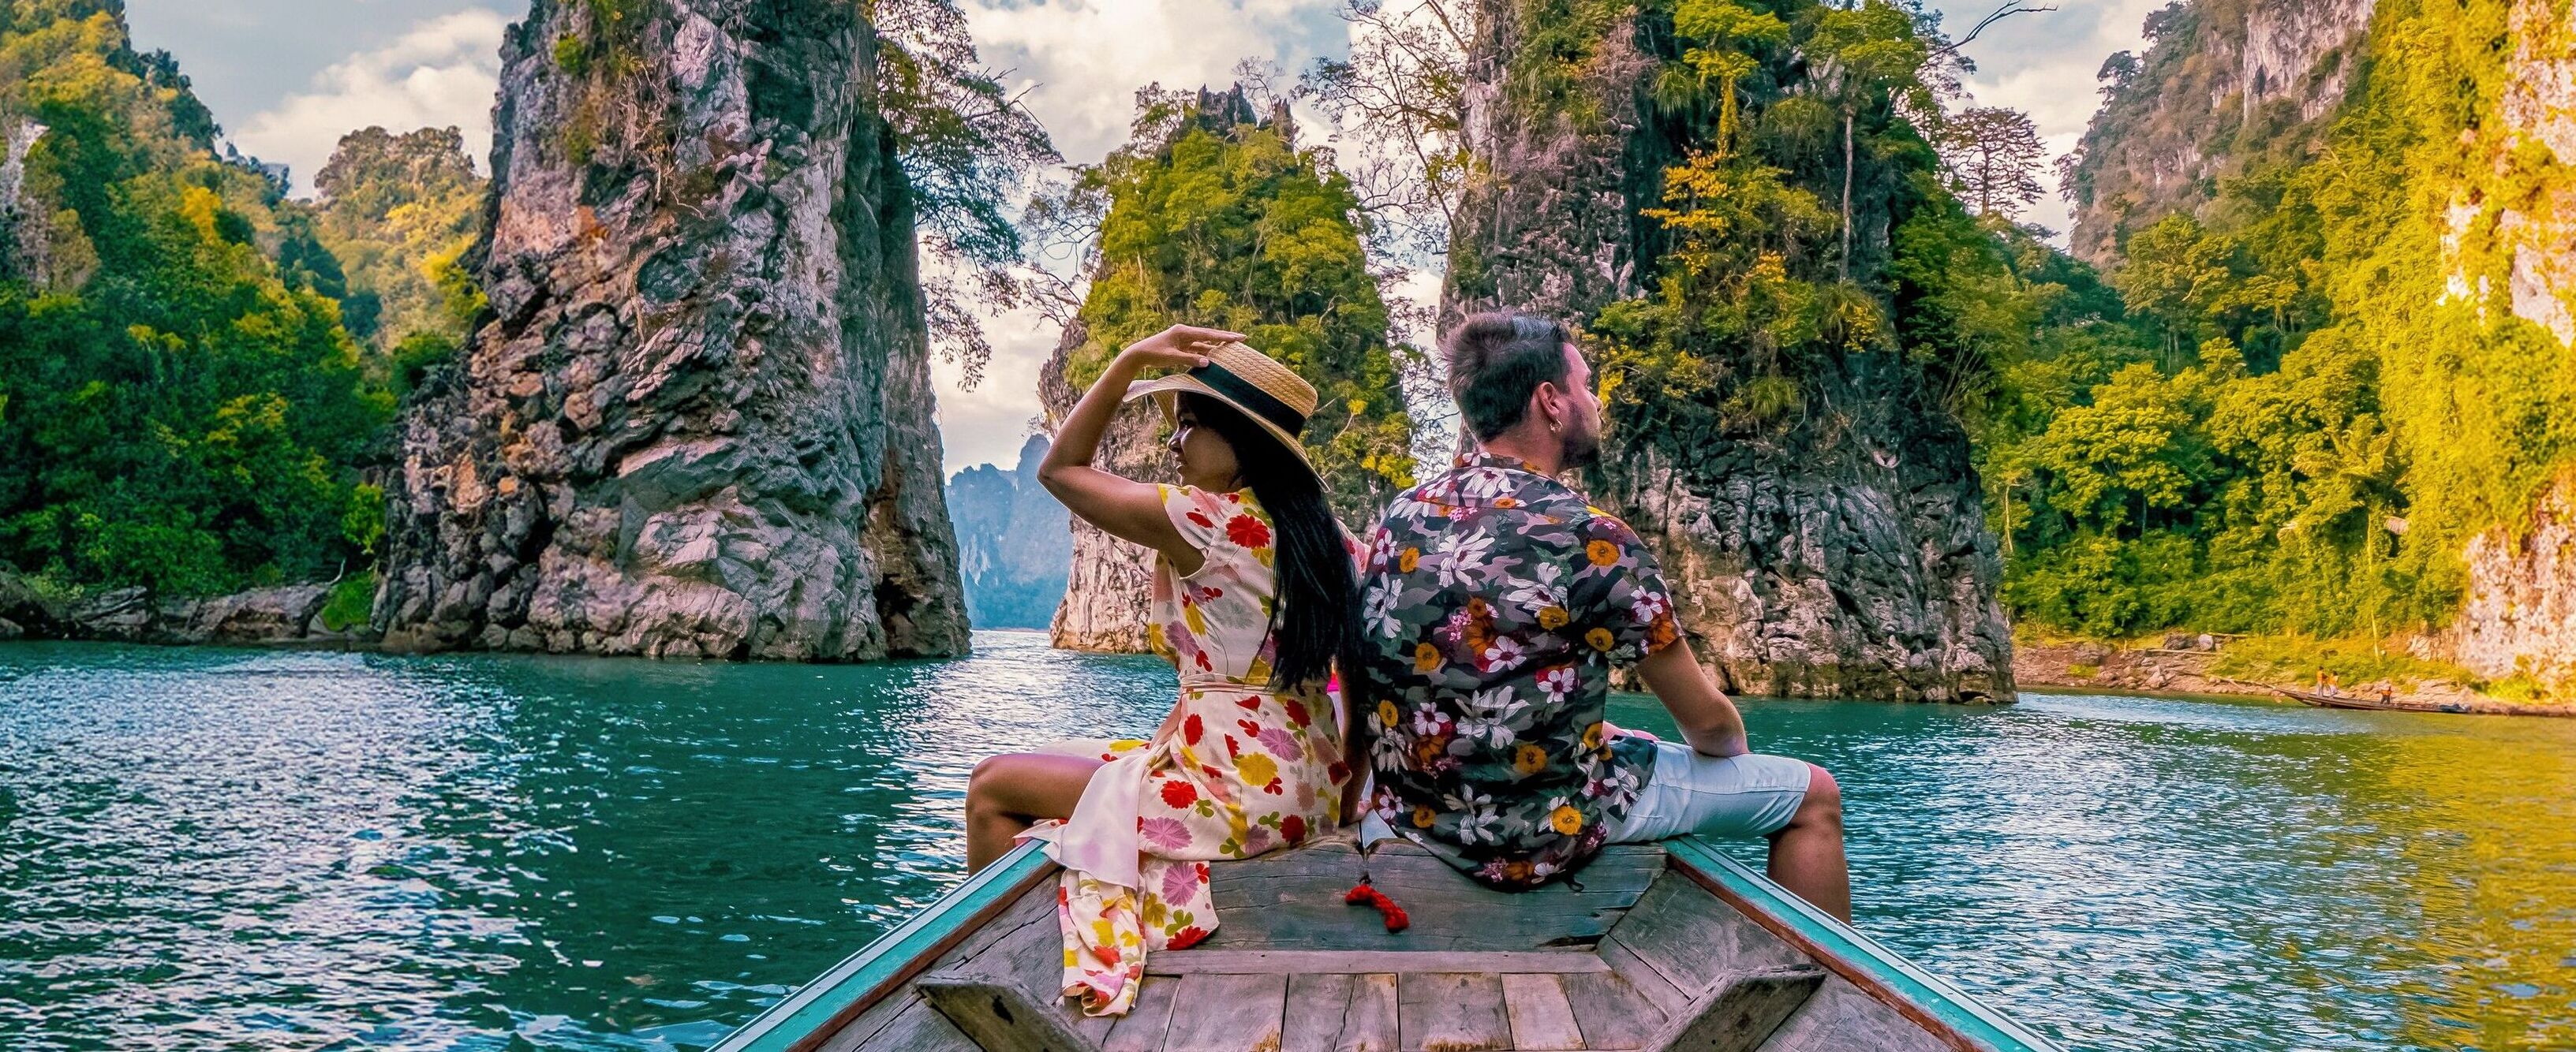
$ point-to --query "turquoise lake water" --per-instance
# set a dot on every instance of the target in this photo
(221, 849)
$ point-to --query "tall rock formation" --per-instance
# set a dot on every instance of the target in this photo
(2434, 155)
(1845, 556)
(1109, 585)
(1014, 541)
(2222, 81)
(1217, 218)
(698, 421)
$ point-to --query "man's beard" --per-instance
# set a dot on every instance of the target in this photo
(1580, 449)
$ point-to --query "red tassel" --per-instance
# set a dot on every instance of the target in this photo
(1396, 920)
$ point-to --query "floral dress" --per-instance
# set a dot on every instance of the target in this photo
(1247, 768)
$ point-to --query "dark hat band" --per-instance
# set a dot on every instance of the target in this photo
(1252, 399)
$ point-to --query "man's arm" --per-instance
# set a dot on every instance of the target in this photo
(1709, 722)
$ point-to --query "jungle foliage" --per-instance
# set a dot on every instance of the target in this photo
(1208, 218)
(2319, 391)
(180, 405)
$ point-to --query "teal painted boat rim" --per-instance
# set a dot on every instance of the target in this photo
(1947, 1005)
(810, 1012)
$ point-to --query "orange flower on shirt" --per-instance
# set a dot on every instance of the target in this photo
(1566, 820)
(1602, 553)
(1426, 657)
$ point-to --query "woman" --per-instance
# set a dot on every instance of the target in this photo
(1255, 600)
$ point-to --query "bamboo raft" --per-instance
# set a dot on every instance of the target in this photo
(1650, 947)
(2369, 704)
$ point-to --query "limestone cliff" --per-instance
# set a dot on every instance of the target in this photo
(1014, 541)
(1217, 217)
(2519, 618)
(2223, 81)
(1846, 556)
(698, 418)
(1110, 583)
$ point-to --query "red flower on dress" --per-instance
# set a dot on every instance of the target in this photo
(1185, 938)
(1247, 531)
(1202, 520)
(1296, 712)
(1339, 772)
(1178, 794)
(1294, 828)
(1192, 730)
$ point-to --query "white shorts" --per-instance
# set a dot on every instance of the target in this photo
(1739, 796)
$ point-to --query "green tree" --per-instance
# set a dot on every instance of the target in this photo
(1215, 219)
(183, 409)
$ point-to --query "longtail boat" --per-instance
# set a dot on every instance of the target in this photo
(1649, 947)
(2354, 701)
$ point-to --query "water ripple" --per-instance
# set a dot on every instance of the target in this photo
(213, 849)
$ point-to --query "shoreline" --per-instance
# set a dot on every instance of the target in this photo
(2096, 667)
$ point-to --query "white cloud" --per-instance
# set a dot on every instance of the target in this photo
(441, 72)
(1084, 59)
(2043, 64)
(1080, 62)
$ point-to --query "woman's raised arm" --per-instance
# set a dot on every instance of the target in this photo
(1127, 509)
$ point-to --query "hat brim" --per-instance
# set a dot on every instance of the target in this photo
(1165, 391)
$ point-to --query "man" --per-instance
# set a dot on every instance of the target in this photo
(1496, 603)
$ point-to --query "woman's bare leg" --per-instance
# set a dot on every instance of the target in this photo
(1007, 794)
(1807, 854)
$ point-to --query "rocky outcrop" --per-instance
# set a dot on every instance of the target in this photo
(698, 421)
(288, 614)
(1014, 541)
(2539, 106)
(2519, 616)
(22, 220)
(1110, 583)
(2221, 81)
(1846, 558)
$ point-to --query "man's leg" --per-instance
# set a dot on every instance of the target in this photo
(1009, 793)
(1807, 854)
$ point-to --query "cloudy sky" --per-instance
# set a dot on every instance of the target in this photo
(287, 78)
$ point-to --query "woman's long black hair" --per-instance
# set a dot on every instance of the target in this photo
(1315, 610)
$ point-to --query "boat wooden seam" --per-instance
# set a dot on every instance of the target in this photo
(1950, 1013)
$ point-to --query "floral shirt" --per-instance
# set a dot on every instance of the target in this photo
(1496, 603)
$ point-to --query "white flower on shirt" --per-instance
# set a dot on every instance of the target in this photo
(1476, 815)
(1488, 716)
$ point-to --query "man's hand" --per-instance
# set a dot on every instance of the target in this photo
(1709, 722)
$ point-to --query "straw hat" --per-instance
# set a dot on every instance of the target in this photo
(1264, 391)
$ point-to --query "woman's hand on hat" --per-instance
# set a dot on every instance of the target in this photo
(1180, 347)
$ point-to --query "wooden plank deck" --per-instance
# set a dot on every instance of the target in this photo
(1622, 961)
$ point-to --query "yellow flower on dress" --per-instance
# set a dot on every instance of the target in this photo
(1592, 736)
(1601, 639)
(1566, 820)
(1552, 618)
(1423, 817)
(1529, 759)
(1411, 558)
(1426, 657)
(1386, 714)
(1602, 553)
(1257, 770)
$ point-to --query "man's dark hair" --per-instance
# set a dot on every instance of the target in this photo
(1496, 361)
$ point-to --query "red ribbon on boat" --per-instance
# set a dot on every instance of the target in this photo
(1386, 907)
